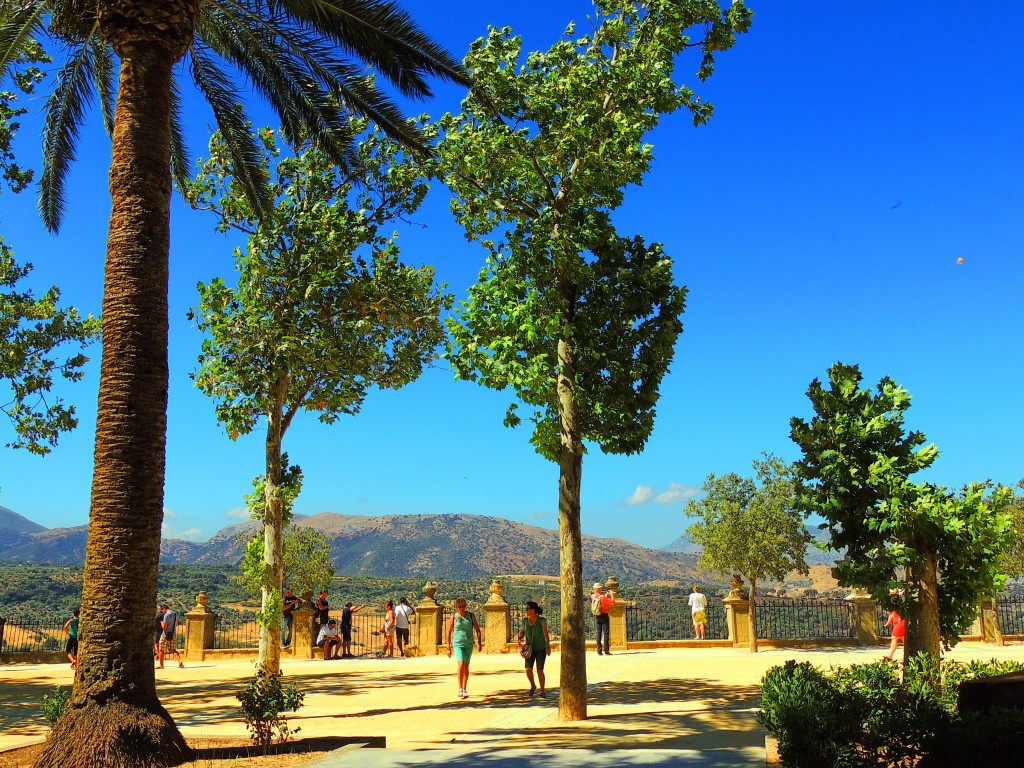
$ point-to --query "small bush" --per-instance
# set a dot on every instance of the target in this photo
(54, 704)
(812, 720)
(263, 700)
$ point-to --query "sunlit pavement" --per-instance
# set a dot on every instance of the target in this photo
(668, 707)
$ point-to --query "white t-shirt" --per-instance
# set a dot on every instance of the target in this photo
(326, 631)
(698, 602)
(402, 614)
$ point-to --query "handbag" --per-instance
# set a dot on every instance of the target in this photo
(525, 651)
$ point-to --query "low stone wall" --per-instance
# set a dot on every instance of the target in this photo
(39, 657)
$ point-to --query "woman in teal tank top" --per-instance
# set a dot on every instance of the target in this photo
(534, 635)
(461, 627)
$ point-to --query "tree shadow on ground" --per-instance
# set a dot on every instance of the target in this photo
(690, 714)
(20, 705)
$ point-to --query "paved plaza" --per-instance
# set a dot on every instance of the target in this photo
(665, 707)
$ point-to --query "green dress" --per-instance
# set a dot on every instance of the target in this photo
(535, 634)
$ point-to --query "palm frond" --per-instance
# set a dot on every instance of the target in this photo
(19, 23)
(105, 75)
(234, 126)
(64, 110)
(382, 34)
(180, 162)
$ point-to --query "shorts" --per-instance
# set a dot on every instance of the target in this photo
(71, 646)
(346, 633)
(540, 655)
(403, 635)
(699, 617)
(463, 652)
(167, 644)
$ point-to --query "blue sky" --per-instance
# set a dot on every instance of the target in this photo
(856, 151)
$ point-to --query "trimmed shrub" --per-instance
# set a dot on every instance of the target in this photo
(263, 700)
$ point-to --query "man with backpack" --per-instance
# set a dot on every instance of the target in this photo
(599, 605)
(167, 644)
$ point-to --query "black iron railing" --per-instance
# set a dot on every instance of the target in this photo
(1011, 613)
(674, 622)
(32, 636)
(232, 633)
(795, 618)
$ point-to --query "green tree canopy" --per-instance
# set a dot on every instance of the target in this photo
(930, 553)
(1012, 560)
(323, 311)
(578, 320)
(750, 525)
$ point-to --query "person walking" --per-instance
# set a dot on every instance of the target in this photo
(158, 632)
(346, 628)
(71, 646)
(899, 631)
(167, 644)
(290, 603)
(330, 640)
(534, 635)
(699, 612)
(599, 605)
(459, 636)
(403, 615)
(388, 630)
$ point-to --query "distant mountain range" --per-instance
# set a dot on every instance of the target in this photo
(434, 546)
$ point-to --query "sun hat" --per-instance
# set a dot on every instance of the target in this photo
(598, 586)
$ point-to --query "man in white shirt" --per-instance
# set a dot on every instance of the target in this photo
(699, 611)
(403, 613)
(330, 640)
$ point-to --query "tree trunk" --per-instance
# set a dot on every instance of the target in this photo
(923, 629)
(752, 615)
(572, 699)
(115, 717)
(273, 556)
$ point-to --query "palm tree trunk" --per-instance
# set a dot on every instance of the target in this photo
(270, 630)
(572, 699)
(115, 717)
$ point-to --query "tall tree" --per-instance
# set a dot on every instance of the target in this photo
(1011, 562)
(751, 526)
(917, 547)
(323, 310)
(307, 58)
(34, 332)
(577, 319)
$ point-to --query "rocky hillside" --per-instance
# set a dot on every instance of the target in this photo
(434, 546)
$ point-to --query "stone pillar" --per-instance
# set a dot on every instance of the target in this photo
(302, 633)
(616, 616)
(429, 624)
(497, 621)
(865, 620)
(990, 630)
(200, 624)
(737, 612)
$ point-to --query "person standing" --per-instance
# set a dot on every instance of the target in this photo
(330, 640)
(899, 631)
(403, 615)
(388, 630)
(346, 628)
(158, 632)
(599, 605)
(699, 612)
(71, 646)
(167, 644)
(323, 609)
(291, 602)
(459, 636)
(534, 635)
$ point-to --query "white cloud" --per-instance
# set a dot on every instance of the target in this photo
(538, 515)
(641, 495)
(675, 493)
(169, 514)
(237, 513)
(192, 534)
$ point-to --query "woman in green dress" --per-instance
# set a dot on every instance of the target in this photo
(461, 627)
(534, 635)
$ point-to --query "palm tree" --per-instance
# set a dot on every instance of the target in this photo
(306, 57)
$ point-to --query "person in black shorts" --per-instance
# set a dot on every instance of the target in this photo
(346, 628)
(71, 646)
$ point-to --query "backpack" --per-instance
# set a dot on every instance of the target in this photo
(595, 606)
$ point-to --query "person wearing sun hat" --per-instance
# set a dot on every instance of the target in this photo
(599, 605)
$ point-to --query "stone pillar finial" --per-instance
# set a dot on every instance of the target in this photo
(496, 594)
(429, 590)
(612, 585)
(737, 586)
(201, 601)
